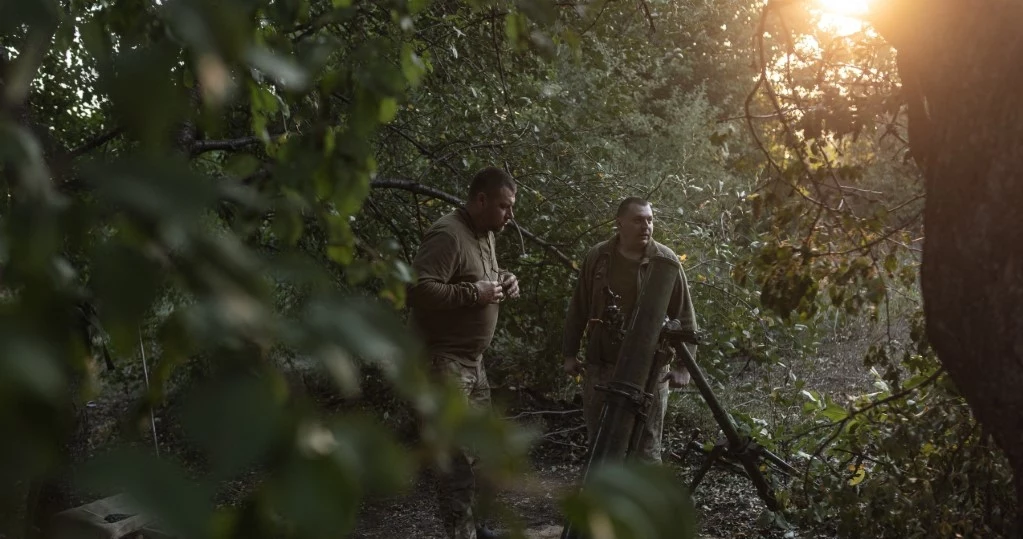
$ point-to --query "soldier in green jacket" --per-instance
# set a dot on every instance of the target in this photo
(619, 266)
(455, 302)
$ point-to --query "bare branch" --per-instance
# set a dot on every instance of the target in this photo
(649, 16)
(95, 142)
(603, 7)
(418, 188)
(230, 145)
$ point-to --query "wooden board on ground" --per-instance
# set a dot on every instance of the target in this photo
(113, 517)
(546, 532)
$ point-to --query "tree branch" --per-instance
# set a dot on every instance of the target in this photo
(596, 18)
(95, 142)
(231, 145)
(649, 16)
(418, 188)
(854, 413)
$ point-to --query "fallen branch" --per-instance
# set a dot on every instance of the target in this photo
(562, 431)
(724, 461)
(566, 444)
(546, 412)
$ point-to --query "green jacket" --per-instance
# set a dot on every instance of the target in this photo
(588, 301)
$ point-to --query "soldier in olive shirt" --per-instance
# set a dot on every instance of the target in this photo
(455, 303)
(619, 265)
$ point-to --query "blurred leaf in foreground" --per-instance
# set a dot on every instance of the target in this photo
(632, 501)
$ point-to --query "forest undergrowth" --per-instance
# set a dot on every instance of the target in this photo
(726, 501)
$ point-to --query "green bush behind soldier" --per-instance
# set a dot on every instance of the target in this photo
(455, 303)
(620, 264)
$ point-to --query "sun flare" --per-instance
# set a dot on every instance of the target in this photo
(845, 7)
(843, 17)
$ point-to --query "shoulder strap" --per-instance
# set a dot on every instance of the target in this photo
(600, 276)
(600, 270)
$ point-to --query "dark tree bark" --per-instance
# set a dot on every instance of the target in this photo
(962, 65)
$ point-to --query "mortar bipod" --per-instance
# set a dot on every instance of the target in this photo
(741, 448)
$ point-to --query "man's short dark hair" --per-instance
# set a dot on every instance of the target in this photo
(490, 180)
(624, 206)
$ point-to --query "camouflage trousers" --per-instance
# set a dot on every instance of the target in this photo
(459, 484)
(593, 402)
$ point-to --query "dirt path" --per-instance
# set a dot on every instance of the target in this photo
(534, 504)
(726, 504)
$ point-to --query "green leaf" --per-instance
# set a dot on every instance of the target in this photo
(317, 497)
(890, 263)
(632, 501)
(515, 26)
(342, 254)
(358, 272)
(242, 164)
(29, 364)
(262, 104)
(371, 452)
(342, 368)
(835, 412)
(412, 65)
(236, 421)
(388, 109)
(284, 71)
(126, 284)
(287, 225)
(154, 189)
(20, 148)
(145, 75)
(320, 488)
(365, 330)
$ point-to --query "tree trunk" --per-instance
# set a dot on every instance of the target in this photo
(962, 66)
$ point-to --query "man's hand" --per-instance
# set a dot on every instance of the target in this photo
(510, 284)
(677, 378)
(572, 365)
(490, 292)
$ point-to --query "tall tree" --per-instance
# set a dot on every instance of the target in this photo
(960, 67)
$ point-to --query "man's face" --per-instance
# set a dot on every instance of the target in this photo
(497, 209)
(636, 225)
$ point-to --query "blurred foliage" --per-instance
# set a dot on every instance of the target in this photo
(193, 178)
(239, 187)
(630, 501)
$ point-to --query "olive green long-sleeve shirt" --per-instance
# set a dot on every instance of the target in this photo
(588, 302)
(450, 259)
